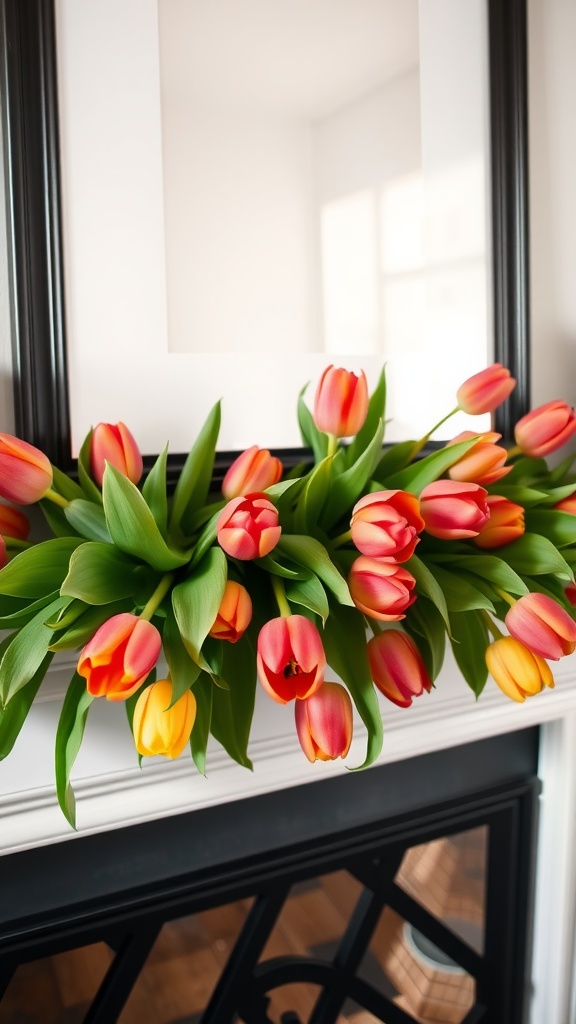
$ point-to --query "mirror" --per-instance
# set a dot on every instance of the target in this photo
(369, 243)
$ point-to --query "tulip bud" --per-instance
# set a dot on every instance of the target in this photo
(25, 472)
(545, 429)
(159, 728)
(380, 588)
(386, 524)
(324, 723)
(13, 523)
(253, 470)
(453, 510)
(234, 614)
(397, 667)
(483, 463)
(248, 527)
(341, 402)
(291, 661)
(539, 623)
(567, 505)
(518, 671)
(116, 661)
(486, 390)
(505, 523)
(115, 444)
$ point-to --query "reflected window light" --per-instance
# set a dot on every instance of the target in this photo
(350, 271)
(401, 218)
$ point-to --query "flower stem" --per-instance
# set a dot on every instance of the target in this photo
(342, 539)
(418, 445)
(280, 595)
(158, 596)
(506, 597)
(12, 544)
(513, 452)
(332, 444)
(492, 627)
(56, 498)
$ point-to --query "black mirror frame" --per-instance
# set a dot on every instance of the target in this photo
(30, 125)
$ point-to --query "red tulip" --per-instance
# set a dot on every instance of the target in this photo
(381, 588)
(234, 614)
(13, 523)
(545, 429)
(518, 671)
(505, 524)
(158, 727)
(453, 510)
(324, 723)
(567, 505)
(483, 463)
(253, 470)
(539, 623)
(290, 660)
(341, 402)
(248, 527)
(116, 661)
(115, 444)
(486, 390)
(397, 667)
(25, 472)
(386, 524)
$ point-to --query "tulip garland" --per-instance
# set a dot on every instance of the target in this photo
(368, 559)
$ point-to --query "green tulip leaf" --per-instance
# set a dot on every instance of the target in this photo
(100, 574)
(520, 495)
(558, 527)
(470, 638)
(88, 520)
(459, 592)
(392, 461)
(310, 553)
(183, 670)
(427, 584)
(38, 570)
(203, 691)
(232, 709)
(205, 540)
(493, 569)
(24, 612)
(83, 628)
(13, 716)
(155, 493)
(425, 471)
(558, 474)
(533, 555)
(69, 736)
(26, 651)
(310, 594)
(276, 568)
(194, 481)
(196, 602)
(345, 645)
(311, 436)
(375, 415)
(427, 628)
(132, 526)
(349, 485)
(89, 487)
(313, 497)
(64, 485)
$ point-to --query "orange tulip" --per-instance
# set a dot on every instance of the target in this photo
(291, 661)
(505, 524)
(13, 523)
(116, 661)
(234, 614)
(324, 723)
(113, 443)
(453, 510)
(253, 470)
(381, 588)
(486, 390)
(545, 429)
(483, 463)
(567, 505)
(341, 402)
(248, 527)
(386, 524)
(25, 472)
(159, 728)
(517, 670)
(540, 623)
(397, 667)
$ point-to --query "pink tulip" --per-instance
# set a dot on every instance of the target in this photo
(486, 390)
(13, 523)
(397, 667)
(291, 661)
(234, 614)
(341, 402)
(381, 588)
(484, 463)
(116, 661)
(453, 510)
(248, 527)
(115, 444)
(25, 472)
(539, 623)
(517, 671)
(505, 524)
(545, 429)
(253, 470)
(324, 723)
(386, 524)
